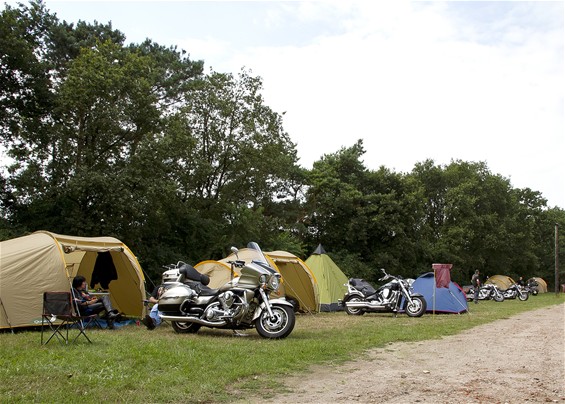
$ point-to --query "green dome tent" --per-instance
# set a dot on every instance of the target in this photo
(331, 280)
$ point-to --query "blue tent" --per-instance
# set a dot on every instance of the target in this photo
(447, 300)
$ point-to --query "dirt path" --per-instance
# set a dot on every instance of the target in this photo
(516, 360)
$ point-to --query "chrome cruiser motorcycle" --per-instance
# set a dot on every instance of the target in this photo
(395, 296)
(516, 291)
(487, 292)
(240, 304)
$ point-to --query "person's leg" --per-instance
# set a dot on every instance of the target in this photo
(108, 304)
(154, 314)
(94, 308)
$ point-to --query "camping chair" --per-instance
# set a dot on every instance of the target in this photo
(59, 315)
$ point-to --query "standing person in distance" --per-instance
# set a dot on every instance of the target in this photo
(476, 282)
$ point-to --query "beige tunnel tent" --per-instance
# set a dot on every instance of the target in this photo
(44, 261)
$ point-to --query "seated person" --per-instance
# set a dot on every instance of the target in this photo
(88, 304)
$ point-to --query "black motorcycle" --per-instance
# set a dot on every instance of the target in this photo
(240, 304)
(397, 295)
(532, 287)
(516, 291)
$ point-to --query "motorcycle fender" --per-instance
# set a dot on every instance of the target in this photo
(341, 302)
(353, 294)
(272, 302)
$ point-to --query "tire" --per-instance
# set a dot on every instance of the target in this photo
(352, 311)
(417, 308)
(280, 326)
(183, 327)
(523, 296)
(498, 297)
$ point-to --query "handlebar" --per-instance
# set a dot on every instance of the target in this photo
(237, 263)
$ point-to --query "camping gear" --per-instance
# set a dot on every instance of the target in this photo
(450, 299)
(516, 291)
(397, 295)
(44, 261)
(300, 284)
(60, 315)
(330, 279)
(503, 282)
(240, 304)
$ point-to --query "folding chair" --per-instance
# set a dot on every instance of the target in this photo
(59, 315)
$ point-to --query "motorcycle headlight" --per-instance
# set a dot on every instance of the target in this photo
(263, 279)
(274, 282)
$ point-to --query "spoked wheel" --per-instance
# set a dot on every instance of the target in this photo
(185, 327)
(498, 297)
(523, 296)
(280, 325)
(417, 308)
(353, 311)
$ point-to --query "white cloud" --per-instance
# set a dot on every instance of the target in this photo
(414, 84)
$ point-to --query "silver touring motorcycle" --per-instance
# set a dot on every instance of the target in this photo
(397, 295)
(240, 304)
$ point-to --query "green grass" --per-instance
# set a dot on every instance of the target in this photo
(132, 364)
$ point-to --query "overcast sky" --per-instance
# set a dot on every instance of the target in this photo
(476, 81)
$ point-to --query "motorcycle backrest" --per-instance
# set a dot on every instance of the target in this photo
(189, 272)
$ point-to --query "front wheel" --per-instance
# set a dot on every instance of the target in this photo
(417, 308)
(183, 327)
(498, 297)
(280, 325)
(523, 296)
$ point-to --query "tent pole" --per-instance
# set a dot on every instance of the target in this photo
(6, 314)
(461, 304)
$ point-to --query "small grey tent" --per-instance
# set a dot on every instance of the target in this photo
(331, 280)
(47, 262)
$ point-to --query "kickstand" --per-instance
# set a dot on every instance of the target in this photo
(236, 333)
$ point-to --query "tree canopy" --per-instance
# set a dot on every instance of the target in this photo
(136, 141)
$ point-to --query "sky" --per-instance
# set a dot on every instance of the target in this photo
(477, 81)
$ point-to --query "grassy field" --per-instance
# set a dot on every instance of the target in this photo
(131, 364)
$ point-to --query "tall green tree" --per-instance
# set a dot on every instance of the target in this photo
(366, 216)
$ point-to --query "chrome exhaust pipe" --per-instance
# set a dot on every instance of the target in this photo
(184, 319)
(364, 305)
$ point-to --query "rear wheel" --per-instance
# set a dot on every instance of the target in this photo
(353, 311)
(280, 325)
(417, 308)
(183, 327)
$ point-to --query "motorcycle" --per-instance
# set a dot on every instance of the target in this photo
(242, 303)
(486, 292)
(532, 287)
(516, 291)
(392, 297)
